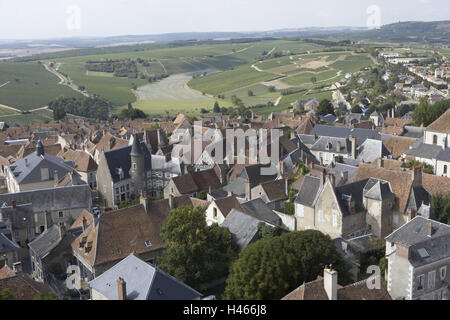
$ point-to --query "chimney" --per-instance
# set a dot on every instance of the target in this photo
(338, 146)
(14, 204)
(330, 283)
(281, 167)
(171, 202)
(55, 176)
(122, 289)
(17, 267)
(144, 202)
(411, 214)
(248, 194)
(352, 140)
(48, 220)
(168, 156)
(332, 179)
(84, 224)
(322, 177)
(381, 163)
(229, 194)
(286, 186)
(416, 176)
(430, 229)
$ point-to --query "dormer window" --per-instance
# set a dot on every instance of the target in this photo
(134, 166)
(148, 244)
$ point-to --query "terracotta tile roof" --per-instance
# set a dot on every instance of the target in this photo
(364, 124)
(23, 287)
(225, 205)
(441, 124)
(109, 142)
(275, 190)
(397, 122)
(78, 223)
(394, 130)
(82, 160)
(391, 164)
(435, 184)
(314, 290)
(6, 272)
(398, 145)
(401, 181)
(197, 181)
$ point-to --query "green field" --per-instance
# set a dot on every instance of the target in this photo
(38, 116)
(30, 85)
(191, 107)
(229, 80)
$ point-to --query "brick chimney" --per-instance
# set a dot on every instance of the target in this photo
(430, 229)
(330, 283)
(248, 193)
(17, 267)
(416, 176)
(122, 289)
(84, 224)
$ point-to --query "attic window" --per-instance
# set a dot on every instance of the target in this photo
(423, 253)
(119, 251)
(148, 244)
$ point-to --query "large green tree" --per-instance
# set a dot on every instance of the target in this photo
(196, 253)
(440, 204)
(425, 114)
(272, 267)
(325, 107)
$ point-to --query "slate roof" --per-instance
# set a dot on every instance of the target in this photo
(227, 204)
(378, 190)
(28, 169)
(444, 155)
(354, 190)
(21, 217)
(46, 241)
(308, 191)
(413, 132)
(342, 132)
(371, 149)
(415, 235)
(254, 174)
(7, 245)
(329, 144)
(258, 208)
(120, 158)
(243, 227)
(54, 199)
(143, 282)
(427, 151)
(339, 168)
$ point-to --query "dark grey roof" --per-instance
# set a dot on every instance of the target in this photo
(308, 191)
(46, 241)
(236, 187)
(261, 211)
(413, 132)
(351, 162)
(415, 234)
(444, 155)
(243, 227)
(417, 197)
(329, 118)
(352, 191)
(423, 150)
(135, 148)
(340, 168)
(306, 138)
(20, 217)
(6, 244)
(143, 282)
(54, 199)
(330, 144)
(342, 132)
(40, 148)
(254, 174)
(378, 190)
(426, 211)
(120, 159)
(371, 150)
(28, 169)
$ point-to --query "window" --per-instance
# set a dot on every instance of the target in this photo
(61, 214)
(431, 279)
(320, 216)
(443, 272)
(420, 282)
(128, 187)
(300, 210)
(434, 139)
(215, 213)
(334, 220)
(44, 174)
(445, 169)
(134, 166)
(395, 219)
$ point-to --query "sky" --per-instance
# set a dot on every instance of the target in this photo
(31, 19)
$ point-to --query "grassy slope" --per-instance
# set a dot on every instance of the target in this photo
(30, 87)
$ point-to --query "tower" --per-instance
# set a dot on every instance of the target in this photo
(137, 171)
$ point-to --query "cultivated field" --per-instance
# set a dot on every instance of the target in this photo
(28, 86)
